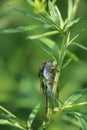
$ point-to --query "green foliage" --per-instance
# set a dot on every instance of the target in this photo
(68, 61)
(75, 97)
(72, 56)
(32, 116)
(51, 45)
(7, 118)
(50, 19)
(80, 46)
(43, 35)
(77, 118)
(19, 29)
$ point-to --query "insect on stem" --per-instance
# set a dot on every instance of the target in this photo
(47, 74)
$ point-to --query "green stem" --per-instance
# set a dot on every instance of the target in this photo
(59, 67)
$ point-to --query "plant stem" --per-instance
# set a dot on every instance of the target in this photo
(59, 67)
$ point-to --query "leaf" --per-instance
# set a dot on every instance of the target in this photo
(68, 61)
(76, 118)
(54, 13)
(60, 17)
(19, 29)
(71, 23)
(11, 122)
(44, 47)
(30, 14)
(75, 97)
(73, 56)
(71, 41)
(70, 7)
(32, 116)
(6, 111)
(5, 122)
(69, 118)
(80, 46)
(75, 6)
(74, 105)
(51, 44)
(48, 46)
(81, 104)
(7, 118)
(43, 35)
(81, 118)
(39, 17)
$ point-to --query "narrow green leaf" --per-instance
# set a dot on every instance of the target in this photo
(51, 44)
(81, 104)
(71, 23)
(50, 5)
(45, 48)
(5, 122)
(54, 13)
(32, 116)
(69, 118)
(30, 14)
(7, 112)
(74, 105)
(39, 17)
(43, 35)
(7, 118)
(70, 7)
(45, 19)
(75, 97)
(60, 17)
(75, 6)
(77, 118)
(73, 56)
(81, 118)
(68, 61)
(19, 29)
(80, 46)
(71, 41)
(11, 122)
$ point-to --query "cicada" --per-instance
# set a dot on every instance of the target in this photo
(47, 75)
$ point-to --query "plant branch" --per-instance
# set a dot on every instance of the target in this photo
(59, 66)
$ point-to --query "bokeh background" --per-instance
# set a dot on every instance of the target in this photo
(20, 60)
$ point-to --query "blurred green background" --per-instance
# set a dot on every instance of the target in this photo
(20, 60)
